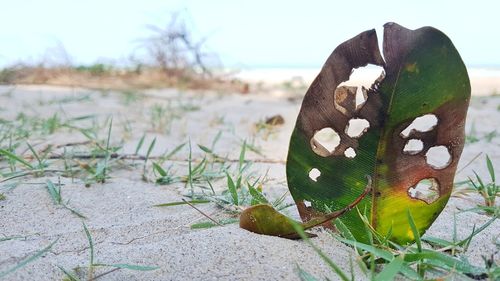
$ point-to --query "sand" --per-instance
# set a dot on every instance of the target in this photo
(125, 226)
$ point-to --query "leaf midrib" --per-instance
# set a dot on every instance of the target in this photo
(384, 130)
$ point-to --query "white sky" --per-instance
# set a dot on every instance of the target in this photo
(259, 33)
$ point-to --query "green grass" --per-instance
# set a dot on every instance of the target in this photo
(98, 169)
(14, 134)
(455, 245)
(209, 224)
(16, 158)
(93, 164)
(70, 275)
(164, 176)
(182, 203)
(130, 96)
(304, 275)
(472, 136)
(92, 161)
(162, 115)
(41, 161)
(488, 189)
(77, 98)
(7, 238)
(55, 194)
(27, 260)
(38, 169)
(333, 266)
(384, 260)
(148, 153)
(491, 135)
(242, 187)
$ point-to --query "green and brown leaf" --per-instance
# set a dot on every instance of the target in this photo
(424, 77)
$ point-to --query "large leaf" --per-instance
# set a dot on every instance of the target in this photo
(424, 76)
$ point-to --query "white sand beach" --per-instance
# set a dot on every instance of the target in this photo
(125, 226)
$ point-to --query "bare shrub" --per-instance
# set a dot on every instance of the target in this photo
(174, 50)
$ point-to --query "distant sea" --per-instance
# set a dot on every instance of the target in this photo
(478, 71)
(484, 80)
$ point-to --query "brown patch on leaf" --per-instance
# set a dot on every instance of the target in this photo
(317, 111)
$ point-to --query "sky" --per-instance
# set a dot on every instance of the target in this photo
(244, 34)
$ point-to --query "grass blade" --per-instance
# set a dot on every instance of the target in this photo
(91, 244)
(444, 261)
(490, 168)
(55, 193)
(37, 157)
(232, 189)
(477, 231)
(386, 255)
(342, 228)
(12, 238)
(28, 260)
(148, 153)
(175, 150)
(209, 224)
(159, 169)
(75, 212)
(182, 203)
(69, 275)
(345, 232)
(139, 144)
(479, 180)
(257, 195)
(304, 275)
(437, 241)
(14, 157)
(390, 270)
(190, 169)
(108, 139)
(241, 160)
(205, 149)
(150, 149)
(325, 258)
(216, 139)
(129, 266)
(414, 229)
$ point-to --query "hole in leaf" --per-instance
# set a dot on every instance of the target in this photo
(438, 157)
(361, 96)
(424, 123)
(314, 174)
(354, 94)
(350, 152)
(413, 146)
(325, 141)
(307, 203)
(426, 190)
(357, 127)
